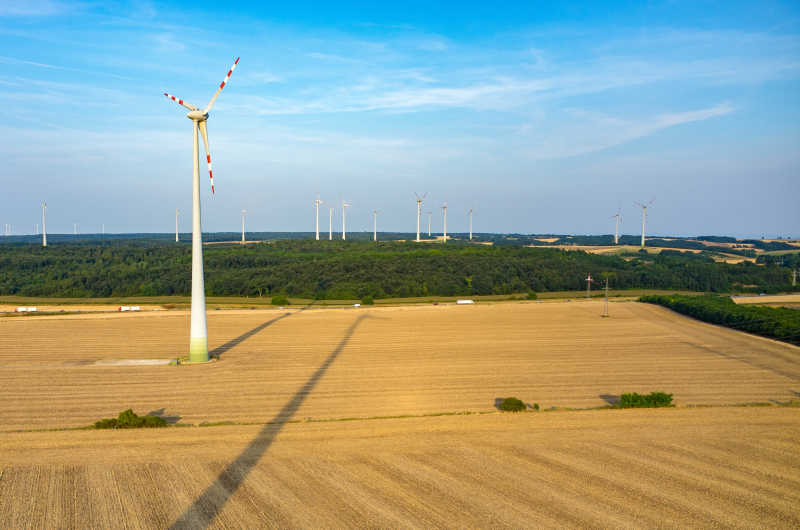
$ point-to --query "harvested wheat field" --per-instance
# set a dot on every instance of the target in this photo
(305, 372)
(378, 362)
(675, 468)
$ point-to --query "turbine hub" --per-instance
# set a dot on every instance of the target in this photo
(197, 115)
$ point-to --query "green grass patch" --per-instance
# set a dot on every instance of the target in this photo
(651, 400)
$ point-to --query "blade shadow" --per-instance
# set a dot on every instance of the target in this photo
(205, 508)
(219, 350)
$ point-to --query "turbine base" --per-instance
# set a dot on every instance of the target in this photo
(198, 350)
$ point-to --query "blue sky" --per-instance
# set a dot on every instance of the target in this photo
(542, 118)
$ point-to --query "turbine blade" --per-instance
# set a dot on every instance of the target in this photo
(204, 132)
(181, 102)
(222, 85)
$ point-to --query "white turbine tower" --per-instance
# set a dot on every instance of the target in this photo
(375, 225)
(330, 224)
(430, 214)
(470, 224)
(345, 204)
(176, 224)
(198, 334)
(75, 229)
(444, 223)
(317, 202)
(644, 217)
(419, 210)
(618, 217)
(244, 212)
(44, 224)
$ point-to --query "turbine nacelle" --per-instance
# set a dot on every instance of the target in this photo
(197, 115)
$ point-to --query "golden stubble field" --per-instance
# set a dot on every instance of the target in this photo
(383, 361)
(701, 467)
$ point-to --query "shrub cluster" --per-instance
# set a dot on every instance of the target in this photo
(130, 420)
(651, 400)
(280, 300)
(774, 322)
(512, 404)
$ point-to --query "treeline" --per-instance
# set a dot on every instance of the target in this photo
(774, 322)
(349, 270)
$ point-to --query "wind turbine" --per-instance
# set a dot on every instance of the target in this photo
(198, 334)
(75, 229)
(317, 202)
(470, 224)
(444, 223)
(375, 225)
(345, 204)
(644, 216)
(44, 224)
(430, 214)
(176, 224)
(330, 225)
(616, 232)
(244, 212)
(419, 209)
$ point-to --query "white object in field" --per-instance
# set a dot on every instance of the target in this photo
(419, 212)
(24, 309)
(330, 225)
(444, 223)
(589, 281)
(244, 212)
(344, 216)
(135, 308)
(176, 224)
(317, 202)
(470, 224)
(356, 305)
(124, 308)
(644, 217)
(44, 224)
(375, 225)
(198, 334)
(465, 302)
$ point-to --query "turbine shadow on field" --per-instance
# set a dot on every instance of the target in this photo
(219, 350)
(172, 420)
(205, 508)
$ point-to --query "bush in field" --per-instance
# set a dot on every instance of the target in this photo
(532, 295)
(512, 404)
(280, 300)
(130, 420)
(367, 300)
(651, 400)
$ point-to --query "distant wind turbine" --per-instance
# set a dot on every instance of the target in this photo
(644, 217)
(244, 212)
(375, 225)
(430, 214)
(317, 202)
(176, 224)
(345, 204)
(330, 225)
(616, 232)
(44, 224)
(419, 210)
(470, 224)
(198, 334)
(444, 223)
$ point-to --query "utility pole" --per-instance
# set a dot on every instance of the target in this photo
(589, 281)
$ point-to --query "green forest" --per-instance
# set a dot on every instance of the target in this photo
(337, 270)
(774, 322)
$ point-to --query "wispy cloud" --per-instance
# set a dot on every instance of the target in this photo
(32, 8)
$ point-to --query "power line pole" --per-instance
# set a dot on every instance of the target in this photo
(589, 281)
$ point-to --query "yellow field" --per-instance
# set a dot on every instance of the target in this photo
(732, 466)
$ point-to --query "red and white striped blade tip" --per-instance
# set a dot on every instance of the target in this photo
(222, 85)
